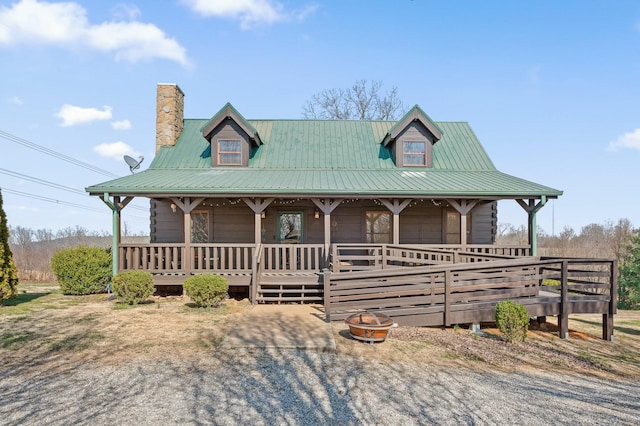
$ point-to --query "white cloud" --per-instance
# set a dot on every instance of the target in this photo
(249, 12)
(72, 115)
(121, 125)
(628, 140)
(16, 101)
(66, 25)
(115, 150)
(126, 11)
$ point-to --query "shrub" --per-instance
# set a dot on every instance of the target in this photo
(206, 290)
(8, 271)
(133, 286)
(82, 270)
(512, 320)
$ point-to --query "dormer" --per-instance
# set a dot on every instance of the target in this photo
(231, 137)
(412, 138)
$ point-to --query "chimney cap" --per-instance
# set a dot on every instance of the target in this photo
(171, 84)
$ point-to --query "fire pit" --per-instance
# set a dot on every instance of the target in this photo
(369, 327)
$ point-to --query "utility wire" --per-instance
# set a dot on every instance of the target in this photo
(47, 151)
(54, 185)
(53, 200)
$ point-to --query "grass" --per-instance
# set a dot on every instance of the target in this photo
(17, 340)
(42, 324)
(76, 342)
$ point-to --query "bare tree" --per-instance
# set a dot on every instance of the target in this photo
(362, 101)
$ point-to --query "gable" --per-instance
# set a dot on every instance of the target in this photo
(228, 112)
(415, 114)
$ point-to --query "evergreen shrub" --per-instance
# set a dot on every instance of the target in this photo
(82, 270)
(206, 290)
(133, 286)
(512, 319)
(8, 270)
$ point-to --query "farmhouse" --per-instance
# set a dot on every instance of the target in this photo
(287, 208)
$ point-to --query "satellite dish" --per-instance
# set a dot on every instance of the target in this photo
(133, 163)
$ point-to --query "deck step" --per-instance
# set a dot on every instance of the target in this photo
(277, 287)
(289, 299)
(295, 290)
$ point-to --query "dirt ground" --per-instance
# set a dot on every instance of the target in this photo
(44, 328)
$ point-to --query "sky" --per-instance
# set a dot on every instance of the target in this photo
(550, 88)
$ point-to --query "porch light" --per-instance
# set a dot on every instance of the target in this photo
(173, 207)
(316, 214)
(263, 214)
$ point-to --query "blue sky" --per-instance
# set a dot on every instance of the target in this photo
(550, 88)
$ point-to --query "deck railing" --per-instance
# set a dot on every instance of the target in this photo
(155, 258)
(234, 257)
(292, 257)
(362, 257)
(449, 294)
(163, 258)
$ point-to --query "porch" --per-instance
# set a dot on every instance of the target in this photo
(421, 285)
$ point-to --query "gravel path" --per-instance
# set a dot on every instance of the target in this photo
(303, 387)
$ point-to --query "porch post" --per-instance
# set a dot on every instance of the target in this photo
(396, 207)
(326, 206)
(187, 204)
(532, 209)
(257, 205)
(463, 207)
(116, 206)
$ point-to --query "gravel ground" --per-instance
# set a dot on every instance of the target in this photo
(303, 387)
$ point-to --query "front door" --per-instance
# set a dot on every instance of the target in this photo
(290, 227)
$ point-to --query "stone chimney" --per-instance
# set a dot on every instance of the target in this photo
(169, 114)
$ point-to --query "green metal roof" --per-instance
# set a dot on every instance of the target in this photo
(252, 181)
(325, 157)
(326, 144)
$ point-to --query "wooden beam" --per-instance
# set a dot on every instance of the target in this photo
(327, 206)
(396, 208)
(463, 207)
(187, 205)
(532, 209)
(257, 205)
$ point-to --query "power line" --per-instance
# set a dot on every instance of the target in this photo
(52, 153)
(60, 202)
(54, 185)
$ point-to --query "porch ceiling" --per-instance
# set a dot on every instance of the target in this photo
(369, 183)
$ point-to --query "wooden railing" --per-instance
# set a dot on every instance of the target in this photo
(449, 294)
(234, 257)
(155, 258)
(363, 257)
(292, 257)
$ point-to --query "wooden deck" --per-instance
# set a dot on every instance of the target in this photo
(421, 285)
(462, 293)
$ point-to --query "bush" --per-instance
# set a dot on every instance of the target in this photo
(512, 320)
(8, 271)
(133, 286)
(82, 270)
(206, 290)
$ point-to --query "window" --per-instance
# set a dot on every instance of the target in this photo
(229, 152)
(378, 227)
(199, 226)
(414, 153)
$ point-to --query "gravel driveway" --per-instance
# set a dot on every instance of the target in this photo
(303, 387)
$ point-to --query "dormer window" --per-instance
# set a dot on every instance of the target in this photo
(230, 152)
(414, 153)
